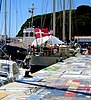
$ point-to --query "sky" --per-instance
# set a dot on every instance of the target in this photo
(20, 12)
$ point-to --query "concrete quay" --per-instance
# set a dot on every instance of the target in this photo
(68, 80)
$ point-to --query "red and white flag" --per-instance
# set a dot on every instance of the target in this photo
(38, 35)
(41, 32)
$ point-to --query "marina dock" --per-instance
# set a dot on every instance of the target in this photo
(67, 80)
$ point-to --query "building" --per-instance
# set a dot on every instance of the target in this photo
(84, 41)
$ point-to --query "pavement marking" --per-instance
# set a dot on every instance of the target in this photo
(3, 95)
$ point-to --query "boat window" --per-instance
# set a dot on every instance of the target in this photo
(15, 69)
(31, 34)
(4, 67)
(27, 34)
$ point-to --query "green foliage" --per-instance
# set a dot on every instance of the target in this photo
(81, 22)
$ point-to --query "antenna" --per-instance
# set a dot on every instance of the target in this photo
(31, 10)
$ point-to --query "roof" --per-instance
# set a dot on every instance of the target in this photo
(82, 36)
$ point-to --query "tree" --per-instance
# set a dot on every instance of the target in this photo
(83, 20)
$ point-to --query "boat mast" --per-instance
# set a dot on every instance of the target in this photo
(5, 23)
(63, 20)
(54, 6)
(70, 23)
(32, 9)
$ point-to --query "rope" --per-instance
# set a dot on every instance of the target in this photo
(0, 4)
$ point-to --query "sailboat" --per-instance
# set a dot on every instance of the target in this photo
(7, 49)
(9, 69)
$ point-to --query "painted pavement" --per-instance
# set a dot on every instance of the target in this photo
(68, 80)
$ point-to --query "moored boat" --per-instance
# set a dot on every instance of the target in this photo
(46, 51)
(40, 62)
(9, 71)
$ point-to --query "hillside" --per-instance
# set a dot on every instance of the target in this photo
(81, 22)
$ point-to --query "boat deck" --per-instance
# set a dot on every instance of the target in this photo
(68, 80)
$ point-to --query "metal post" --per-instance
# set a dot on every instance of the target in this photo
(70, 23)
(63, 20)
(54, 6)
(32, 14)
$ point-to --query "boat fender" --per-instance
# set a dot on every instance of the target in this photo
(54, 51)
